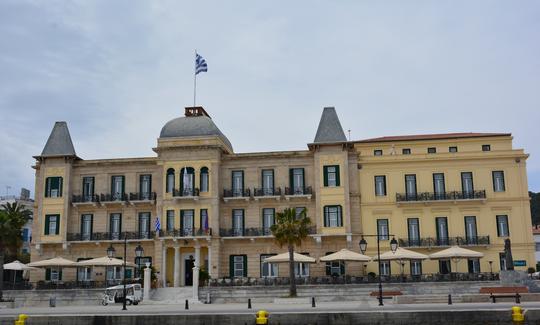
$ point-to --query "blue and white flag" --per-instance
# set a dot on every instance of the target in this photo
(157, 224)
(200, 64)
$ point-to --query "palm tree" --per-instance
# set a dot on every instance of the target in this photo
(291, 229)
(13, 217)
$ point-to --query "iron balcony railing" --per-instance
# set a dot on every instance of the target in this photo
(252, 232)
(448, 196)
(236, 192)
(116, 197)
(186, 192)
(267, 191)
(84, 198)
(97, 236)
(186, 232)
(143, 196)
(445, 241)
(298, 190)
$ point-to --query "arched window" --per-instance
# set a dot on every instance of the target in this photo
(204, 179)
(169, 182)
(187, 180)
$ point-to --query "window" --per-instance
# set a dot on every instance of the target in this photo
(486, 147)
(498, 181)
(438, 186)
(145, 186)
(470, 230)
(502, 226)
(431, 150)
(204, 180)
(445, 267)
(88, 188)
(416, 267)
(53, 187)
(268, 270)
(452, 149)
(413, 226)
(382, 229)
(115, 225)
(267, 220)
(117, 187)
(52, 224)
(385, 268)
(268, 182)
(238, 222)
(144, 225)
(169, 183)
(331, 176)
(238, 266)
(204, 221)
(141, 264)
(187, 181)
(238, 182)
(406, 151)
(332, 216)
(26, 235)
(187, 222)
(86, 226)
(467, 185)
(84, 274)
(296, 180)
(377, 152)
(473, 265)
(380, 185)
(301, 270)
(53, 274)
(336, 268)
(502, 261)
(299, 211)
(410, 187)
(442, 231)
(170, 220)
(114, 274)
(537, 247)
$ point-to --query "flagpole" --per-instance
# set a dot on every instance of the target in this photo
(195, 81)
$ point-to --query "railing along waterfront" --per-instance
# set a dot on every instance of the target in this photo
(97, 236)
(445, 241)
(444, 196)
(185, 232)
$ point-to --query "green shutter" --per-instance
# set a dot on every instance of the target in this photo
(60, 189)
(325, 175)
(303, 181)
(245, 266)
(337, 175)
(123, 186)
(60, 275)
(57, 224)
(149, 184)
(112, 185)
(242, 182)
(47, 274)
(91, 226)
(325, 212)
(47, 186)
(46, 225)
(181, 219)
(120, 227)
(291, 180)
(342, 267)
(231, 266)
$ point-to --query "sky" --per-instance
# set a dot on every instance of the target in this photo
(117, 71)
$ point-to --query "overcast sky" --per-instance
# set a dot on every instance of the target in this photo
(117, 71)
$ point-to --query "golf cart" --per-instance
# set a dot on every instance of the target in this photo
(116, 294)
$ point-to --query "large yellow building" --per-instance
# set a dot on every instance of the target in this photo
(215, 206)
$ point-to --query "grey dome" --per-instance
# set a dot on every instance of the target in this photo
(192, 126)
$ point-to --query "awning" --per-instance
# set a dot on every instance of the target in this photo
(455, 252)
(104, 261)
(53, 262)
(345, 255)
(401, 254)
(284, 258)
(17, 266)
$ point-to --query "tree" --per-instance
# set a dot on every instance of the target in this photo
(291, 229)
(12, 219)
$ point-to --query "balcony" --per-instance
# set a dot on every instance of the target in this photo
(186, 193)
(118, 198)
(298, 192)
(267, 193)
(141, 198)
(110, 236)
(430, 197)
(445, 242)
(236, 194)
(186, 232)
(77, 200)
(252, 232)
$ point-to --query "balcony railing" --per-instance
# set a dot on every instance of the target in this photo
(445, 241)
(84, 198)
(252, 232)
(117, 197)
(445, 196)
(186, 192)
(186, 232)
(97, 236)
(228, 193)
(267, 191)
(144, 196)
(298, 190)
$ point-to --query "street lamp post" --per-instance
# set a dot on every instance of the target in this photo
(491, 269)
(393, 247)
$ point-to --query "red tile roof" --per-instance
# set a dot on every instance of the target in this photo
(432, 137)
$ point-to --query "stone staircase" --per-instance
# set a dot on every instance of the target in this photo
(171, 296)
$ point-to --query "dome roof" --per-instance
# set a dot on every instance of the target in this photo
(192, 126)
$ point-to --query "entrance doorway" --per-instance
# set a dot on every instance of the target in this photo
(189, 263)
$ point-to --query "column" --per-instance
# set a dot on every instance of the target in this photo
(164, 268)
(210, 272)
(147, 278)
(196, 273)
(176, 266)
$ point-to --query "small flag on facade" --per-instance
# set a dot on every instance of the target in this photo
(200, 64)
(157, 224)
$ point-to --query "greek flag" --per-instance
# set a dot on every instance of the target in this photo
(200, 64)
(157, 224)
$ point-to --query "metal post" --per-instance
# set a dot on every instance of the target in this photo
(379, 262)
(125, 258)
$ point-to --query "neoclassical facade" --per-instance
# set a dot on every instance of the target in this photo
(214, 207)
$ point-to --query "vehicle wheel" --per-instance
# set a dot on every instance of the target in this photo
(129, 302)
(135, 303)
(104, 302)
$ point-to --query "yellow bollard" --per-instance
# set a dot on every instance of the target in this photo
(262, 317)
(21, 320)
(517, 315)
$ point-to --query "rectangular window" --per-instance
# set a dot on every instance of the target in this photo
(170, 220)
(498, 181)
(88, 188)
(380, 185)
(502, 226)
(431, 150)
(413, 225)
(187, 222)
(145, 186)
(332, 216)
(486, 147)
(502, 261)
(445, 267)
(410, 187)
(204, 180)
(537, 247)
(53, 187)
(187, 181)
(238, 266)
(117, 187)
(470, 230)
(144, 225)
(53, 274)
(406, 151)
(141, 264)
(438, 186)
(382, 229)
(301, 270)
(452, 149)
(268, 181)
(335, 268)
(467, 185)
(473, 265)
(238, 182)
(299, 211)
(331, 176)
(296, 181)
(26, 235)
(268, 270)
(115, 225)
(84, 274)
(267, 220)
(204, 221)
(238, 222)
(385, 268)
(114, 274)
(86, 226)
(377, 152)
(52, 224)
(442, 231)
(169, 182)
(416, 267)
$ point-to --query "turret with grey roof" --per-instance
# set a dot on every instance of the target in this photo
(59, 143)
(329, 130)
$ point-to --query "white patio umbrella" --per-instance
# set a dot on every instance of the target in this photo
(455, 253)
(345, 255)
(105, 261)
(401, 255)
(284, 258)
(17, 266)
(53, 262)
